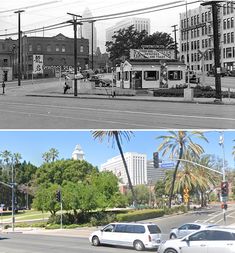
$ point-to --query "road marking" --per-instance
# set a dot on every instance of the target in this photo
(122, 111)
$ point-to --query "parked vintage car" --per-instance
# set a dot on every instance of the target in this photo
(100, 81)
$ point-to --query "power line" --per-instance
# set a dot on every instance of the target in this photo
(109, 16)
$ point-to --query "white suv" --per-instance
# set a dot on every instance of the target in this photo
(137, 235)
(211, 240)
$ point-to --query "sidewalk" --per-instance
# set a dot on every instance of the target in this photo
(53, 88)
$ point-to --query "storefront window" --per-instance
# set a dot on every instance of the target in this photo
(151, 75)
(175, 75)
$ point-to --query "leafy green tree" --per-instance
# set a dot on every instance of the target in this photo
(45, 198)
(175, 144)
(160, 39)
(117, 137)
(160, 192)
(124, 40)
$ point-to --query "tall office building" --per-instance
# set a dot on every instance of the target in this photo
(137, 166)
(139, 24)
(196, 33)
(87, 31)
(78, 153)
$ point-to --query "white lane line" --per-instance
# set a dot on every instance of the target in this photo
(123, 111)
(75, 118)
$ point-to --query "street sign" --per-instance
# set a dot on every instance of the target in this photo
(37, 64)
(167, 165)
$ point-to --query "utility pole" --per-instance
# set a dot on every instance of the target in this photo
(19, 47)
(75, 23)
(214, 5)
(175, 30)
(92, 44)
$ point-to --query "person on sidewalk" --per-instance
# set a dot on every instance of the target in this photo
(66, 84)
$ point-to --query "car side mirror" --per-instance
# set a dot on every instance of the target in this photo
(186, 239)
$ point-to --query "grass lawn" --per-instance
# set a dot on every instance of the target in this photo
(26, 215)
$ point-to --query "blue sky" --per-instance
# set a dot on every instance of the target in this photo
(32, 144)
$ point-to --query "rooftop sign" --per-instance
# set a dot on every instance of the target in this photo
(157, 54)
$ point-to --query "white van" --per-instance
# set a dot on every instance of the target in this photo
(137, 235)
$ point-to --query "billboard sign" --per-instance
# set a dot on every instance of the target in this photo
(37, 64)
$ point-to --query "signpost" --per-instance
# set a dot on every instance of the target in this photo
(167, 165)
(37, 64)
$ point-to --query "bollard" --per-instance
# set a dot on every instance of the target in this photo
(3, 87)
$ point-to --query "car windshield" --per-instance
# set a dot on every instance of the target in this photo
(154, 229)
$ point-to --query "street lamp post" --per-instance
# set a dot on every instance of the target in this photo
(13, 197)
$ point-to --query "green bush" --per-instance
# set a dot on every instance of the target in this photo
(140, 215)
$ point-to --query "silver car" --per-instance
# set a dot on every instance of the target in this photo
(211, 240)
(187, 229)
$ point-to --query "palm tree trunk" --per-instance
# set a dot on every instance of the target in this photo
(126, 169)
(174, 176)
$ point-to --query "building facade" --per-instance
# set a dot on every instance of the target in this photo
(87, 31)
(139, 24)
(137, 167)
(7, 57)
(57, 51)
(78, 153)
(196, 37)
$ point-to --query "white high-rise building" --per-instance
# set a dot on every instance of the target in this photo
(87, 31)
(137, 167)
(78, 153)
(139, 24)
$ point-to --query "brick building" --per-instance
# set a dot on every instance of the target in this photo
(56, 51)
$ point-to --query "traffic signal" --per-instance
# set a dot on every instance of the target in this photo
(224, 189)
(155, 160)
(58, 195)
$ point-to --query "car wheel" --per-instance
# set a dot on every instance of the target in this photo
(170, 251)
(95, 241)
(173, 236)
(138, 245)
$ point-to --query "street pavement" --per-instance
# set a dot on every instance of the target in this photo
(54, 88)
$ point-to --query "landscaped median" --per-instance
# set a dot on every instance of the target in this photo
(35, 219)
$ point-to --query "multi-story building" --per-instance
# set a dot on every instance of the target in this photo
(137, 167)
(7, 53)
(56, 51)
(196, 37)
(139, 24)
(87, 31)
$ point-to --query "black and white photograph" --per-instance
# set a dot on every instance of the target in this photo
(117, 126)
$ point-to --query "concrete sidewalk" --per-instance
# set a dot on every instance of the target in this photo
(53, 88)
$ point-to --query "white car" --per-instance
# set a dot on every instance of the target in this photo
(187, 229)
(211, 240)
(140, 236)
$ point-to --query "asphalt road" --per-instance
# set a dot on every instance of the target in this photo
(38, 243)
(18, 111)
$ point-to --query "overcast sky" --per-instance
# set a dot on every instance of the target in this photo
(55, 11)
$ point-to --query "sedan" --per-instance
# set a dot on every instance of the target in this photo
(212, 240)
(187, 229)
(100, 81)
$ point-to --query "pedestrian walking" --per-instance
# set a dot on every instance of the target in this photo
(66, 84)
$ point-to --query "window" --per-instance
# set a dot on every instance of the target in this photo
(175, 75)
(39, 48)
(220, 236)
(151, 75)
(224, 38)
(200, 236)
(228, 23)
(228, 52)
(224, 23)
(232, 37)
(81, 49)
(154, 229)
(203, 45)
(139, 229)
(126, 75)
(232, 22)
(109, 228)
(202, 17)
(118, 76)
(228, 8)
(198, 19)
(228, 37)
(30, 48)
(192, 34)
(206, 16)
(224, 9)
(57, 48)
(63, 48)
(48, 48)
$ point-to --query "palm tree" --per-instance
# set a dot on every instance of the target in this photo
(50, 155)
(117, 136)
(176, 144)
(6, 156)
